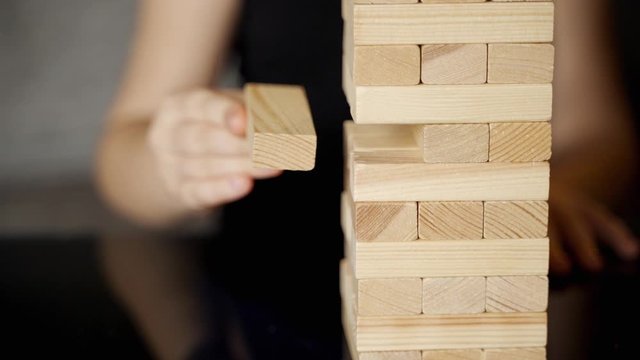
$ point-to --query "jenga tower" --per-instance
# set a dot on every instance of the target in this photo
(447, 178)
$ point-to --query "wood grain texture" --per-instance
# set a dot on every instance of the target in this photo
(424, 104)
(434, 258)
(520, 63)
(453, 23)
(454, 295)
(519, 354)
(450, 220)
(380, 297)
(468, 354)
(374, 179)
(387, 221)
(386, 1)
(280, 130)
(455, 143)
(424, 332)
(515, 219)
(520, 142)
(517, 294)
(386, 65)
(454, 64)
(391, 355)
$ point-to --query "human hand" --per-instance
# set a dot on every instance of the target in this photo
(198, 141)
(577, 224)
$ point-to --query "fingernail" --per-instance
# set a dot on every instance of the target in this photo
(234, 121)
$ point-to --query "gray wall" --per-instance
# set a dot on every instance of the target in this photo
(60, 61)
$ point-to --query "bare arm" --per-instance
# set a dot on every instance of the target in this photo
(595, 147)
(178, 46)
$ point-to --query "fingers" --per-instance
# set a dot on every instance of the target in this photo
(193, 139)
(212, 167)
(614, 232)
(216, 108)
(203, 194)
(559, 262)
(579, 237)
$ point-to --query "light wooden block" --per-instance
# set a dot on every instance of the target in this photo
(386, 65)
(453, 23)
(454, 295)
(516, 354)
(424, 104)
(380, 297)
(454, 143)
(391, 355)
(454, 64)
(378, 180)
(388, 221)
(469, 354)
(467, 258)
(520, 63)
(280, 130)
(517, 294)
(386, 1)
(439, 332)
(520, 142)
(515, 219)
(450, 220)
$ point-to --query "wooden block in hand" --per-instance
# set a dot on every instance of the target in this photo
(519, 354)
(280, 130)
(450, 220)
(453, 23)
(454, 143)
(466, 354)
(520, 142)
(520, 63)
(386, 221)
(517, 293)
(386, 65)
(380, 297)
(454, 64)
(515, 219)
(454, 295)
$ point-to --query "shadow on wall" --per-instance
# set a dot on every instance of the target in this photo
(60, 65)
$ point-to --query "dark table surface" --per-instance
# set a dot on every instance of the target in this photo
(54, 301)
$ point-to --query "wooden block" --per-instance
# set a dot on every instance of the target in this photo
(280, 128)
(386, 65)
(380, 297)
(468, 258)
(386, 1)
(520, 63)
(436, 332)
(455, 143)
(519, 354)
(454, 64)
(388, 221)
(454, 295)
(520, 142)
(469, 354)
(515, 219)
(424, 104)
(453, 23)
(391, 355)
(349, 317)
(517, 294)
(375, 179)
(450, 220)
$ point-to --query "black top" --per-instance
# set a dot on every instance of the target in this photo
(282, 243)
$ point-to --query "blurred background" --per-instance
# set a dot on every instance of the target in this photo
(60, 62)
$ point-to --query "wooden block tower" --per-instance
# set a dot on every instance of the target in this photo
(447, 178)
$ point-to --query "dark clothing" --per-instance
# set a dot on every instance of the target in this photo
(280, 247)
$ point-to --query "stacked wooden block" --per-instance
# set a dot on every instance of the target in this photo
(447, 178)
